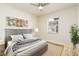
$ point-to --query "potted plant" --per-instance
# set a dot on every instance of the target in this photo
(74, 35)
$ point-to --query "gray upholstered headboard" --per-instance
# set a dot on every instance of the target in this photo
(9, 32)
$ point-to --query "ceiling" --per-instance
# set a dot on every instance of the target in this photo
(52, 7)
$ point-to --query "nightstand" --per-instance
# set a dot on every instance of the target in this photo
(2, 47)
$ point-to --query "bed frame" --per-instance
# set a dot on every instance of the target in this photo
(9, 32)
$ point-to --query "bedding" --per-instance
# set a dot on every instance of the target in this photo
(27, 47)
(9, 42)
(27, 36)
(16, 38)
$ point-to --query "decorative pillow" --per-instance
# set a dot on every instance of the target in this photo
(27, 36)
(16, 38)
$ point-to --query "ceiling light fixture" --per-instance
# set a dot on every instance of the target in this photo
(40, 5)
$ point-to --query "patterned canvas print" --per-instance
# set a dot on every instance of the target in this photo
(16, 22)
(53, 25)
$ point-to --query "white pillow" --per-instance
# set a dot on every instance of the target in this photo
(15, 38)
(27, 36)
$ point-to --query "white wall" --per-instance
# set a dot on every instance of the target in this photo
(78, 14)
(67, 17)
(6, 10)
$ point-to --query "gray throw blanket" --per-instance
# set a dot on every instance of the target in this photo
(19, 44)
(28, 47)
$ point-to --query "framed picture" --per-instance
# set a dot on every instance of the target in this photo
(53, 25)
(16, 22)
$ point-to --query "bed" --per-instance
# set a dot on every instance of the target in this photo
(24, 46)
